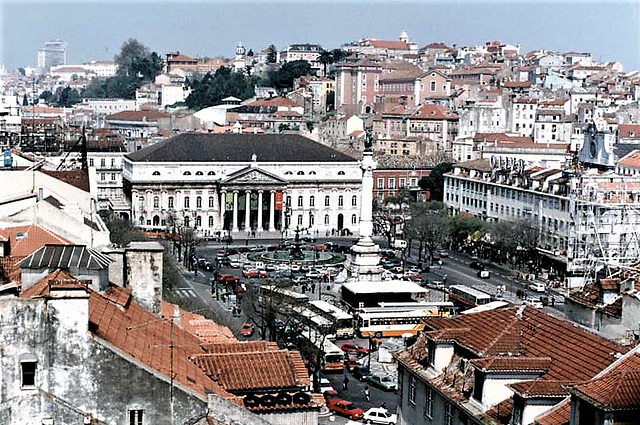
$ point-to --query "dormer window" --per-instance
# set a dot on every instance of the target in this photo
(28, 373)
(341, 173)
(199, 173)
(211, 173)
(300, 173)
(288, 173)
(186, 173)
(156, 173)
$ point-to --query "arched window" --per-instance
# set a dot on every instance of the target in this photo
(210, 201)
(186, 173)
(300, 220)
(156, 173)
(141, 220)
(186, 221)
(186, 202)
(340, 201)
(300, 173)
(326, 219)
(312, 201)
(312, 173)
(288, 201)
(354, 201)
(327, 200)
(300, 201)
(210, 221)
(341, 173)
(199, 173)
(156, 202)
(199, 221)
(311, 220)
(199, 202)
(170, 199)
(288, 173)
(354, 219)
(211, 173)
(141, 202)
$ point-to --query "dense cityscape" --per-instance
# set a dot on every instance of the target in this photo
(389, 231)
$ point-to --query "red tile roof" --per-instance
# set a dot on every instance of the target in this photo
(434, 112)
(263, 370)
(515, 84)
(274, 101)
(631, 160)
(149, 339)
(76, 178)
(558, 415)
(391, 45)
(540, 388)
(25, 240)
(138, 116)
(207, 331)
(616, 389)
(513, 364)
(59, 279)
(629, 130)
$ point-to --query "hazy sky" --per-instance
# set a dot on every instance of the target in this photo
(97, 29)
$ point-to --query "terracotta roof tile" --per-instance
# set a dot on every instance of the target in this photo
(240, 347)
(207, 331)
(558, 415)
(274, 101)
(631, 160)
(25, 240)
(264, 370)
(76, 178)
(541, 388)
(58, 279)
(513, 364)
(392, 45)
(617, 389)
(629, 130)
(138, 116)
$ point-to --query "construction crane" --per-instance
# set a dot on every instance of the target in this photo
(82, 141)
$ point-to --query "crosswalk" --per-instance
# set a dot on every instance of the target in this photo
(185, 292)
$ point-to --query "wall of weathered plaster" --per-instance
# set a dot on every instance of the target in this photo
(143, 265)
(74, 366)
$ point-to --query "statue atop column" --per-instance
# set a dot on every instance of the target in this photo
(368, 140)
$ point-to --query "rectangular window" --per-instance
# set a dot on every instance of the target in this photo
(102, 162)
(403, 182)
(103, 176)
(28, 374)
(448, 414)
(428, 403)
(113, 176)
(412, 389)
(90, 162)
(392, 183)
(136, 417)
(380, 183)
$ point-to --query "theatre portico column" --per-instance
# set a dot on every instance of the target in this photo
(272, 204)
(247, 211)
(223, 205)
(259, 226)
(235, 210)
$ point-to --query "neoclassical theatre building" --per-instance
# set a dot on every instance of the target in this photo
(230, 183)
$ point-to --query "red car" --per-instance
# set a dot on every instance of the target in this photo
(254, 273)
(354, 348)
(247, 329)
(345, 408)
(227, 278)
(351, 361)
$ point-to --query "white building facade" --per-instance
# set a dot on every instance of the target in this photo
(260, 183)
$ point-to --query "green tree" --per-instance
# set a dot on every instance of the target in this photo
(434, 182)
(121, 232)
(429, 226)
(331, 100)
(463, 225)
(135, 60)
(325, 58)
(46, 96)
(288, 72)
(212, 88)
(65, 97)
(515, 241)
(272, 54)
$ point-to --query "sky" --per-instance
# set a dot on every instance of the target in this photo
(95, 30)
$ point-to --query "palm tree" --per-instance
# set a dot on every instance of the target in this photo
(325, 58)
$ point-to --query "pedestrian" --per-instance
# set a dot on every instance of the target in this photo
(345, 382)
(313, 287)
(383, 405)
(367, 394)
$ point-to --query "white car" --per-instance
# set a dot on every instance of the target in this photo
(235, 264)
(325, 385)
(379, 415)
(295, 267)
(537, 287)
(532, 302)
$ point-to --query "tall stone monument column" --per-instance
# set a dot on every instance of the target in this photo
(365, 255)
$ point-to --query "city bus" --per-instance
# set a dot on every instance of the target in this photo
(307, 318)
(282, 295)
(343, 321)
(399, 320)
(318, 347)
(468, 297)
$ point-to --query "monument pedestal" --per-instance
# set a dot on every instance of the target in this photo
(365, 260)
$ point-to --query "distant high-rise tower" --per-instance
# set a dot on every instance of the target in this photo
(53, 53)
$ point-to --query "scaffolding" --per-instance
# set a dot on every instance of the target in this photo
(605, 227)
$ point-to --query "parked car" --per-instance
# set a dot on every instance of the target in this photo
(361, 372)
(383, 381)
(532, 302)
(247, 329)
(484, 274)
(224, 261)
(270, 267)
(227, 278)
(475, 264)
(236, 264)
(254, 273)
(308, 238)
(443, 253)
(351, 361)
(283, 273)
(313, 274)
(221, 254)
(537, 287)
(299, 280)
(325, 385)
(226, 239)
(380, 415)
(354, 348)
(295, 267)
(345, 408)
